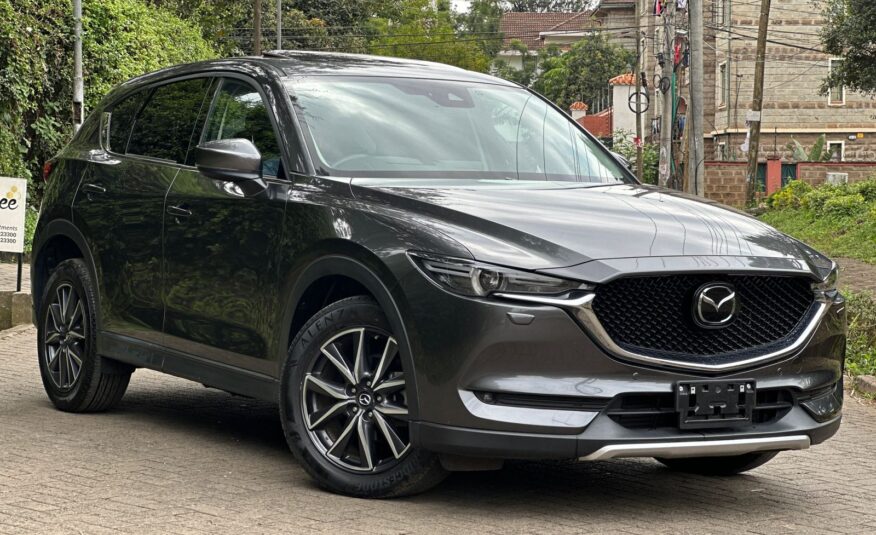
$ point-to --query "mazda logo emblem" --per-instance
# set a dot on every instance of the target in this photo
(715, 305)
(364, 399)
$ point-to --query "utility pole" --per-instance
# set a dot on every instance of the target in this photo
(279, 24)
(668, 119)
(257, 28)
(696, 161)
(640, 165)
(754, 117)
(78, 84)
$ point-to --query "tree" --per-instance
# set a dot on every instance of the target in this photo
(583, 72)
(849, 32)
(563, 6)
(424, 31)
(123, 39)
(482, 21)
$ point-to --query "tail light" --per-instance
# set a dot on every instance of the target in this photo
(47, 170)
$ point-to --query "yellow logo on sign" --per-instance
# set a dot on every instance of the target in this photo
(10, 201)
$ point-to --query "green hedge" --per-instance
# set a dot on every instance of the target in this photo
(121, 39)
(839, 220)
(861, 357)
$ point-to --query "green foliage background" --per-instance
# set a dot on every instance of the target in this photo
(122, 39)
(838, 220)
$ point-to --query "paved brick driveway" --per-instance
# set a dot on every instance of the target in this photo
(176, 457)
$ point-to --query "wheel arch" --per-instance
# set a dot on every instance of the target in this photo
(359, 270)
(59, 240)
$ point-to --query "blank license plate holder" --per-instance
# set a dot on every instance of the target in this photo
(714, 404)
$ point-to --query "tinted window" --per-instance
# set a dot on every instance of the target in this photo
(121, 120)
(164, 127)
(413, 128)
(240, 112)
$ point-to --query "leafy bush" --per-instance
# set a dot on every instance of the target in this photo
(861, 353)
(623, 145)
(866, 189)
(844, 205)
(121, 39)
(840, 220)
(791, 196)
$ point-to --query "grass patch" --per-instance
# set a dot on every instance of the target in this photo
(837, 220)
(861, 354)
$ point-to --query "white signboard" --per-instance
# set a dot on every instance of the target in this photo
(13, 204)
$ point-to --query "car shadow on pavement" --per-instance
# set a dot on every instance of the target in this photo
(600, 488)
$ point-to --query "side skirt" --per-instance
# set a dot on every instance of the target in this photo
(217, 375)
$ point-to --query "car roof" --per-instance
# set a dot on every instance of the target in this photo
(308, 63)
(299, 63)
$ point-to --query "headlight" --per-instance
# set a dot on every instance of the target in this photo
(476, 279)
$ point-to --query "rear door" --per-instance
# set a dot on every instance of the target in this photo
(120, 203)
(222, 247)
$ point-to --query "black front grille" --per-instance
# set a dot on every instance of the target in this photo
(654, 316)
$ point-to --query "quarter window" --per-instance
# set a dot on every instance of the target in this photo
(240, 112)
(121, 118)
(164, 127)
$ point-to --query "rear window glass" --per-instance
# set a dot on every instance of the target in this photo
(121, 120)
(165, 125)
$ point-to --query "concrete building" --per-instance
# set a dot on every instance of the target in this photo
(794, 107)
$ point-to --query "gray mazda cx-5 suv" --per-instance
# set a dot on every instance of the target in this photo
(429, 270)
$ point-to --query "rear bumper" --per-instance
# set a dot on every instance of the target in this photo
(604, 439)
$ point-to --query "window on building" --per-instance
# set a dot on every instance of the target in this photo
(723, 84)
(837, 94)
(837, 151)
(722, 152)
(719, 12)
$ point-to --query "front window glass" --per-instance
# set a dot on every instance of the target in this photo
(240, 112)
(414, 128)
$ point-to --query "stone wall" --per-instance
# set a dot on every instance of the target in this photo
(815, 173)
(725, 181)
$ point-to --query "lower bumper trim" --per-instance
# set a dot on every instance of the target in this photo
(699, 448)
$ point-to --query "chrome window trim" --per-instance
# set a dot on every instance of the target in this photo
(582, 307)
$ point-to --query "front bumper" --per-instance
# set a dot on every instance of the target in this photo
(605, 440)
(463, 348)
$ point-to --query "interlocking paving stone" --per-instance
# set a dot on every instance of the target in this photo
(176, 457)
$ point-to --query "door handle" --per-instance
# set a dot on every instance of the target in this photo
(93, 188)
(179, 211)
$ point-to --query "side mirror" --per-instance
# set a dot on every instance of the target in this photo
(233, 160)
(626, 163)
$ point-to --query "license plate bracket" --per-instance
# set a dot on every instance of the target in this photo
(713, 404)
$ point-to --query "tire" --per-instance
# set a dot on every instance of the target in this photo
(349, 443)
(75, 378)
(719, 466)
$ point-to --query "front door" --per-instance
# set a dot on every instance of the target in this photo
(222, 247)
(120, 203)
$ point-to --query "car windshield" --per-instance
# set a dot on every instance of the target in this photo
(417, 128)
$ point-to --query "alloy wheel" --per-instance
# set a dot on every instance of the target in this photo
(355, 401)
(64, 337)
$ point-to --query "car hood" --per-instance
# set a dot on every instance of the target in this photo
(553, 225)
